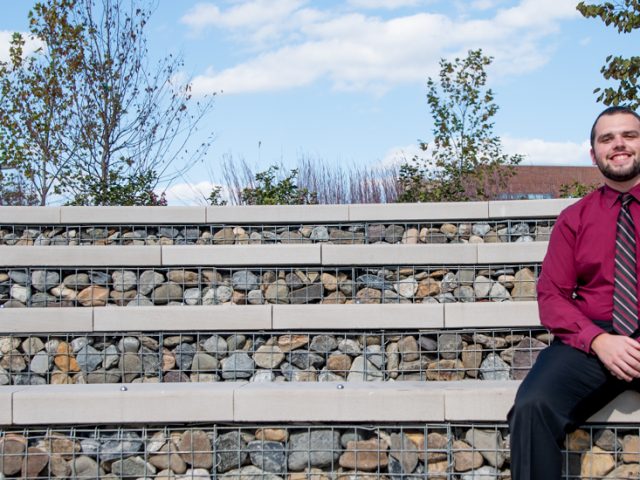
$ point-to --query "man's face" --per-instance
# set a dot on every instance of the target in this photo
(616, 149)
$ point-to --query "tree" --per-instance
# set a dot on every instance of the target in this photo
(35, 104)
(466, 161)
(624, 15)
(269, 190)
(121, 122)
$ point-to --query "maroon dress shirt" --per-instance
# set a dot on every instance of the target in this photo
(575, 287)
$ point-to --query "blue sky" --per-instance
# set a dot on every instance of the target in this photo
(345, 81)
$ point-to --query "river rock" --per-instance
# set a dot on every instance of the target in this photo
(231, 451)
(323, 343)
(167, 292)
(237, 366)
(489, 443)
(93, 296)
(88, 358)
(43, 280)
(464, 458)
(365, 455)
(494, 368)
(268, 356)
(184, 278)
(596, 463)
(132, 467)
(277, 292)
(315, 448)
(405, 451)
(524, 356)
(124, 280)
(20, 293)
(524, 285)
(449, 345)
(149, 279)
(196, 449)
(268, 456)
(13, 448)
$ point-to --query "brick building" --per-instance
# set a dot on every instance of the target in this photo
(532, 182)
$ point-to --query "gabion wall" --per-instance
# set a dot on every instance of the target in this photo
(219, 234)
(341, 452)
(269, 356)
(51, 287)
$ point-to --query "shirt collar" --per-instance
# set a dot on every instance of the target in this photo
(610, 195)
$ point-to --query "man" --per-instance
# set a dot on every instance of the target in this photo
(588, 298)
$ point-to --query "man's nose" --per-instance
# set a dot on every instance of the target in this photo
(618, 141)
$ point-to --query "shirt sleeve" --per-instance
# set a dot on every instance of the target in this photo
(556, 287)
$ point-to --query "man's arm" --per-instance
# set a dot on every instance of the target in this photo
(559, 313)
(556, 286)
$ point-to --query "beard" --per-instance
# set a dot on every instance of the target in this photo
(619, 175)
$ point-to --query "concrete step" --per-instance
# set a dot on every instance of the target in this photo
(462, 401)
(269, 317)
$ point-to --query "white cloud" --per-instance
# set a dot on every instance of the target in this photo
(5, 40)
(294, 45)
(386, 4)
(396, 156)
(188, 193)
(542, 152)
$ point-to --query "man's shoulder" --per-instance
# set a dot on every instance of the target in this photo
(576, 210)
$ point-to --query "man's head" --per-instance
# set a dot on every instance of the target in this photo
(615, 146)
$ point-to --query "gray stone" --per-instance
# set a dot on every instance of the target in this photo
(129, 345)
(499, 293)
(519, 229)
(428, 344)
(482, 286)
(445, 298)
(40, 363)
(255, 297)
(133, 467)
(119, 445)
(111, 356)
(236, 366)
(124, 280)
(376, 233)
(192, 296)
(480, 229)
(140, 301)
(268, 456)
(449, 282)
(304, 359)
(149, 279)
(250, 472)
(216, 345)
(5, 377)
(21, 277)
(41, 299)
(184, 354)
(168, 232)
(167, 292)
(263, 376)
(405, 452)
(494, 368)
(320, 234)
(151, 361)
(525, 355)
(317, 448)
(203, 362)
(223, 294)
(375, 355)
(349, 346)
(131, 366)
(465, 277)
(231, 451)
(464, 293)
(393, 233)
(362, 370)
(308, 294)
(88, 358)
(43, 280)
(323, 343)
(84, 467)
(371, 281)
(277, 292)
(406, 287)
(482, 473)
(489, 443)
(20, 293)
(268, 356)
(99, 278)
(244, 280)
(449, 345)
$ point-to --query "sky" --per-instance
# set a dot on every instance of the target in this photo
(345, 81)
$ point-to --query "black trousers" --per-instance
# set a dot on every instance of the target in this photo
(562, 390)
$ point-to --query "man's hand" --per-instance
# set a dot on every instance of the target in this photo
(619, 353)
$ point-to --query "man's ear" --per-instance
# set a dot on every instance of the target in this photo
(593, 157)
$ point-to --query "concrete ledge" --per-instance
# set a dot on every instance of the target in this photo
(529, 208)
(126, 403)
(418, 211)
(238, 255)
(339, 402)
(6, 403)
(358, 317)
(399, 254)
(278, 214)
(79, 256)
(491, 315)
(34, 320)
(462, 401)
(132, 215)
(521, 252)
(183, 318)
(478, 400)
(29, 215)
